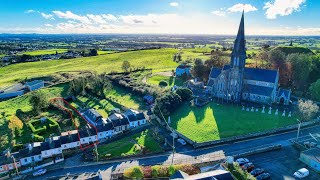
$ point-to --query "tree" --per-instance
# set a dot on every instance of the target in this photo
(16, 125)
(314, 90)
(25, 57)
(125, 65)
(199, 69)
(307, 109)
(163, 83)
(38, 101)
(184, 93)
(93, 52)
(167, 103)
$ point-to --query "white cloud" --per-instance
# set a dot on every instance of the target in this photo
(30, 11)
(47, 16)
(242, 7)
(48, 25)
(282, 7)
(96, 19)
(109, 17)
(174, 4)
(220, 12)
(70, 15)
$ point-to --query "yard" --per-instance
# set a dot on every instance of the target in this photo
(136, 144)
(155, 80)
(214, 122)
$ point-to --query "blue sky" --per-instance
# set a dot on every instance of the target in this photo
(267, 17)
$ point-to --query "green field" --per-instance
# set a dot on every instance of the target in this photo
(136, 144)
(214, 122)
(155, 79)
(44, 52)
(159, 60)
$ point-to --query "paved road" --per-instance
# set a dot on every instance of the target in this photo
(228, 149)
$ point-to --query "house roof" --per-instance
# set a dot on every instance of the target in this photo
(215, 72)
(51, 144)
(131, 117)
(69, 138)
(285, 92)
(105, 127)
(31, 83)
(210, 82)
(183, 66)
(87, 132)
(259, 90)
(264, 75)
(226, 67)
(118, 120)
(140, 116)
(179, 175)
(313, 154)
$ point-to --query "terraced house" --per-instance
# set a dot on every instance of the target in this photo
(234, 82)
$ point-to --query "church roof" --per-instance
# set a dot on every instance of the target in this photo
(264, 75)
(226, 67)
(210, 83)
(285, 92)
(259, 90)
(215, 72)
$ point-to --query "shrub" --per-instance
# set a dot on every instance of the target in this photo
(33, 129)
(134, 172)
(53, 123)
(240, 174)
(17, 147)
(163, 83)
(38, 138)
(147, 172)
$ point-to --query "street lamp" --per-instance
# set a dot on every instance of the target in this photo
(299, 125)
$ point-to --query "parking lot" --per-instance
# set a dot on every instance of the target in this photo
(281, 164)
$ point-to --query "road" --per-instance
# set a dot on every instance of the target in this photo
(228, 149)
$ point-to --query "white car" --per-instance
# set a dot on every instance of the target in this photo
(301, 173)
(174, 135)
(40, 172)
(242, 161)
(181, 141)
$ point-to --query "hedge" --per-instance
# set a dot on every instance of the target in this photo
(33, 129)
(53, 123)
(138, 172)
(38, 138)
(240, 174)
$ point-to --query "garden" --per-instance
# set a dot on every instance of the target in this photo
(215, 121)
(170, 81)
(44, 127)
(140, 143)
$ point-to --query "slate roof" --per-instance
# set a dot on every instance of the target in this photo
(226, 67)
(69, 138)
(31, 83)
(105, 127)
(87, 132)
(215, 72)
(93, 116)
(285, 92)
(179, 175)
(140, 116)
(131, 117)
(51, 144)
(259, 90)
(264, 75)
(118, 120)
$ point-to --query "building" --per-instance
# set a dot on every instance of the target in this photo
(88, 135)
(51, 147)
(311, 157)
(183, 69)
(93, 117)
(9, 163)
(34, 85)
(234, 82)
(135, 118)
(69, 141)
(120, 123)
(105, 131)
(30, 155)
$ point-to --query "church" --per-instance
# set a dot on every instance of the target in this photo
(235, 83)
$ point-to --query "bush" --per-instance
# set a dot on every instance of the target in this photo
(38, 138)
(163, 83)
(240, 174)
(134, 172)
(33, 129)
(53, 123)
(184, 93)
(17, 147)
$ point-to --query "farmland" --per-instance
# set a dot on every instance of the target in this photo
(214, 122)
(44, 52)
(159, 60)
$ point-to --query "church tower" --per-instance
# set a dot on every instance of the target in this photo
(238, 62)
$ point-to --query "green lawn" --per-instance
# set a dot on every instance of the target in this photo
(155, 79)
(132, 145)
(45, 52)
(106, 52)
(214, 122)
(158, 59)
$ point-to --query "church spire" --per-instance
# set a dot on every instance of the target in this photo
(238, 55)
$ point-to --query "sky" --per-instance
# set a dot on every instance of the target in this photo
(262, 17)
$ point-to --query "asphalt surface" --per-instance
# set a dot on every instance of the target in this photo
(229, 149)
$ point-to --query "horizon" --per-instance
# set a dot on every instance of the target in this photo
(174, 17)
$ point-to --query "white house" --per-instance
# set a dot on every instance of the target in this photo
(105, 131)
(135, 118)
(88, 136)
(30, 154)
(51, 147)
(183, 69)
(120, 123)
(69, 141)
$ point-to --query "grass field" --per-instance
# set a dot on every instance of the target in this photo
(214, 122)
(159, 60)
(45, 51)
(132, 145)
(155, 79)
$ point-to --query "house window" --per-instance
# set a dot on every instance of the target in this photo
(65, 146)
(25, 160)
(39, 156)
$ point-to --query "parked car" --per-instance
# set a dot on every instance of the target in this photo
(242, 161)
(174, 135)
(263, 176)
(181, 141)
(301, 173)
(40, 172)
(248, 167)
(257, 172)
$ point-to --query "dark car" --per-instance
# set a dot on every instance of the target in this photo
(248, 167)
(257, 172)
(263, 176)
(242, 161)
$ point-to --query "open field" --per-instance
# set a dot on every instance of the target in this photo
(45, 51)
(136, 144)
(155, 79)
(214, 122)
(159, 60)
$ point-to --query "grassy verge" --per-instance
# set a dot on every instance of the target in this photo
(213, 121)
